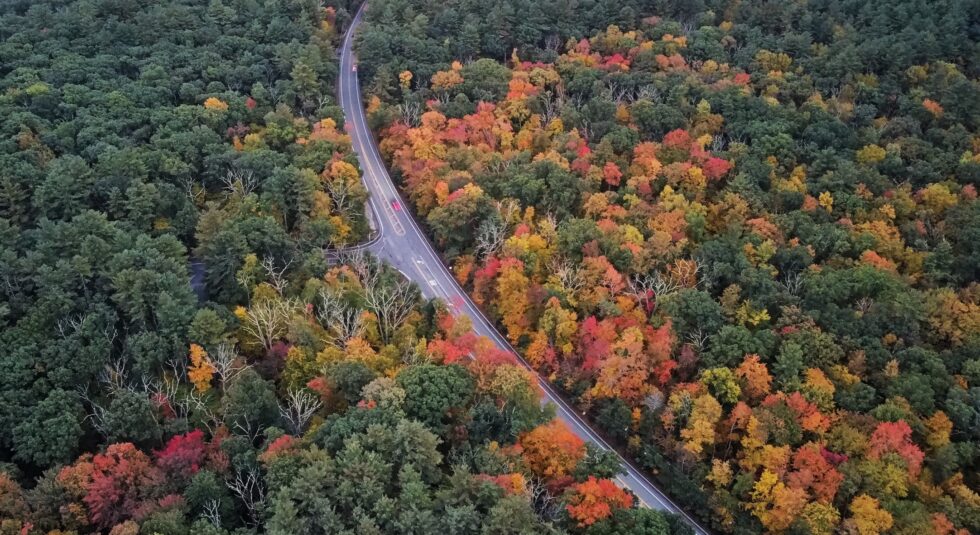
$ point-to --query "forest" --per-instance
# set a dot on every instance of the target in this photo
(182, 357)
(742, 236)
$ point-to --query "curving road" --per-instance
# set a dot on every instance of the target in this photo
(402, 243)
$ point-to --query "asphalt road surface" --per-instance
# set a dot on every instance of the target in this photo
(402, 243)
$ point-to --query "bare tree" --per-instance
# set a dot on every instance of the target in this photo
(342, 194)
(567, 275)
(657, 285)
(391, 302)
(552, 42)
(545, 504)
(266, 320)
(98, 415)
(649, 92)
(300, 405)
(227, 364)
(239, 183)
(553, 103)
(864, 305)
(212, 512)
(342, 321)
(250, 489)
(195, 191)
(410, 112)
(792, 283)
(490, 237)
(277, 276)
(698, 340)
(196, 402)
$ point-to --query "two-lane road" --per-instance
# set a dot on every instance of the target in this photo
(403, 244)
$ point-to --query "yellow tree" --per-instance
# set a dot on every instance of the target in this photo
(511, 301)
(700, 430)
(867, 516)
(201, 371)
(774, 504)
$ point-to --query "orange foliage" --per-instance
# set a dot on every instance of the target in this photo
(596, 499)
(551, 451)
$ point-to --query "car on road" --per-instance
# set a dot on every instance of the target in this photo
(354, 67)
(395, 205)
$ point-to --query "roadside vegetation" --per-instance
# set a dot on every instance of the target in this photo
(741, 236)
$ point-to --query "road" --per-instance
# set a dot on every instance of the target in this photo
(402, 243)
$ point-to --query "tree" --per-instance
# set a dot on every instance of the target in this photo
(183, 456)
(201, 371)
(754, 377)
(121, 480)
(512, 302)
(867, 517)
(635, 521)
(52, 432)
(596, 499)
(896, 437)
(434, 394)
(249, 405)
(551, 451)
(774, 504)
(700, 431)
(265, 321)
(721, 383)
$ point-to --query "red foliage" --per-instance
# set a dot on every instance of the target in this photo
(280, 446)
(611, 174)
(183, 455)
(595, 340)
(715, 168)
(122, 479)
(896, 437)
(678, 139)
(250, 103)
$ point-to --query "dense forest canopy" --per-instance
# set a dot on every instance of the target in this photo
(285, 393)
(741, 235)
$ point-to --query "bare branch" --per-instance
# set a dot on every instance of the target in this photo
(277, 276)
(490, 237)
(391, 302)
(227, 364)
(300, 405)
(343, 322)
(266, 320)
(250, 489)
(212, 512)
(239, 183)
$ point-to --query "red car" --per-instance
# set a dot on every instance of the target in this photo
(395, 205)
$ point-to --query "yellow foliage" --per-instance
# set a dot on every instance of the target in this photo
(870, 154)
(868, 518)
(940, 427)
(937, 198)
(201, 371)
(700, 430)
(405, 79)
(214, 103)
(747, 314)
(952, 318)
(820, 518)
(721, 473)
(445, 80)
(826, 201)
